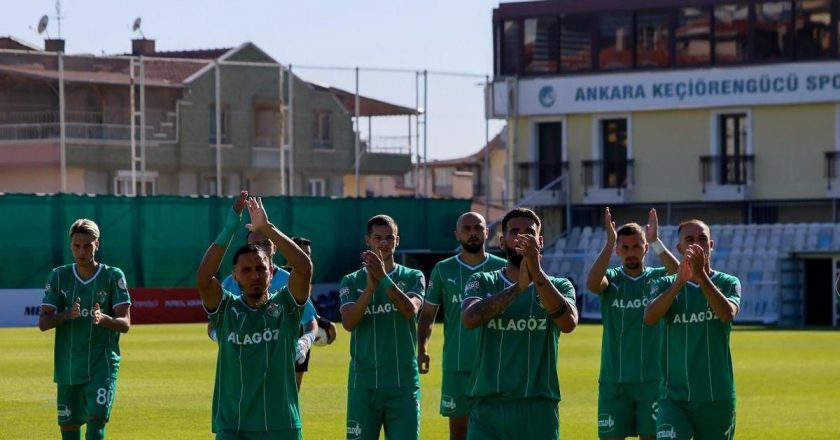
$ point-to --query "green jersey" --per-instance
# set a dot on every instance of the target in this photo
(81, 347)
(517, 351)
(383, 346)
(695, 358)
(629, 348)
(255, 369)
(446, 288)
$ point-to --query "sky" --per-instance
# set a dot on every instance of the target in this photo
(437, 35)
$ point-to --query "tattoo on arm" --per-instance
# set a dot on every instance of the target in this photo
(488, 308)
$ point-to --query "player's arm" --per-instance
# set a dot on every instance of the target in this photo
(424, 332)
(659, 306)
(121, 321)
(652, 235)
(561, 312)
(597, 281)
(208, 286)
(50, 319)
(300, 279)
(353, 313)
(698, 261)
(407, 305)
(476, 311)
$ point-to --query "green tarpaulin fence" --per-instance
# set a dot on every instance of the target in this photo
(158, 241)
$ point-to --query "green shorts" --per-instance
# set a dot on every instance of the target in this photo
(397, 409)
(520, 419)
(626, 409)
(78, 403)
(678, 420)
(286, 434)
(453, 394)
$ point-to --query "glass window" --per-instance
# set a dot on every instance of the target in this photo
(511, 44)
(225, 124)
(693, 36)
(321, 133)
(772, 30)
(616, 41)
(733, 146)
(813, 28)
(575, 43)
(731, 27)
(614, 153)
(652, 44)
(540, 51)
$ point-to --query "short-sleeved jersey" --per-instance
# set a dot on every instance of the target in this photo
(629, 348)
(280, 280)
(695, 358)
(81, 347)
(383, 346)
(516, 357)
(255, 369)
(446, 288)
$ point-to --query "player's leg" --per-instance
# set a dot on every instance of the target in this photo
(300, 369)
(485, 421)
(286, 434)
(364, 414)
(534, 419)
(71, 411)
(715, 420)
(402, 413)
(616, 418)
(645, 395)
(99, 399)
(674, 420)
(453, 403)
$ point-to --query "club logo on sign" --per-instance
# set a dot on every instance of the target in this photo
(547, 96)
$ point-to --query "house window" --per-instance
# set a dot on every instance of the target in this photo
(317, 187)
(321, 129)
(225, 124)
(209, 188)
(122, 183)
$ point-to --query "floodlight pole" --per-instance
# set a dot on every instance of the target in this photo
(356, 130)
(487, 158)
(218, 128)
(417, 129)
(425, 131)
(282, 131)
(132, 115)
(291, 81)
(142, 127)
(61, 125)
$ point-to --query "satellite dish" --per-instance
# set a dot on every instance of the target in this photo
(42, 24)
(136, 26)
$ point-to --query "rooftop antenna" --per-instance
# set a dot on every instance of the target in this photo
(58, 16)
(136, 27)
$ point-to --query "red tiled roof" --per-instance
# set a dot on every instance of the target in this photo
(367, 106)
(498, 141)
(198, 54)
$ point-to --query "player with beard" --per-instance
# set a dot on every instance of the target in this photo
(518, 312)
(630, 375)
(446, 288)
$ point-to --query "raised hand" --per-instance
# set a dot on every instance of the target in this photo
(684, 272)
(609, 226)
(524, 279)
(259, 218)
(652, 227)
(529, 247)
(697, 260)
(97, 315)
(240, 202)
(374, 264)
(75, 310)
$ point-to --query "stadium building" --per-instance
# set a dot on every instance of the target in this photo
(728, 111)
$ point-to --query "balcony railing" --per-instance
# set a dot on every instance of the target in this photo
(544, 176)
(831, 161)
(599, 173)
(386, 145)
(112, 126)
(731, 170)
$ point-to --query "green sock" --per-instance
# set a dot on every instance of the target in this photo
(95, 430)
(71, 435)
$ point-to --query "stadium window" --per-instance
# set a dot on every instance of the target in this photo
(693, 36)
(321, 132)
(731, 29)
(317, 187)
(652, 42)
(511, 43)
(225, 123)
(772, 33)
(575, 43)
(614, 153)
(732, 135)
(540, 48)
(615, 41)
(812, 29)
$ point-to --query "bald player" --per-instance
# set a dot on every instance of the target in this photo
(446, 289)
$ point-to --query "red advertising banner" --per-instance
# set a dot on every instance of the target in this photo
(166, 305)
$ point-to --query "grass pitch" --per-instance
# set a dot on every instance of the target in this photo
(788, 385)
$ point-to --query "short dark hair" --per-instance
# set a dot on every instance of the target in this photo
(248, 249)
(520, 213)
(302, 241)
(630, 229)
(381, 220)
(693, 221)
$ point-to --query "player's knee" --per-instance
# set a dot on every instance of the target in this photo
(458, 428)
(95, 429)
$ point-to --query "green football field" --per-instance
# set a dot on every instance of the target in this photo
(788, 385)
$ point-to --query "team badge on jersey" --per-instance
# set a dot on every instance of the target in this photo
(102, 296)
(47, 288)
(121, 283)
(274, 310)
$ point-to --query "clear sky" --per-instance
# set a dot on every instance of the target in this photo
(438, 35)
